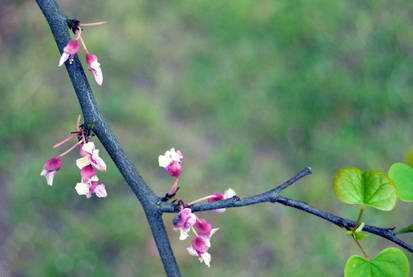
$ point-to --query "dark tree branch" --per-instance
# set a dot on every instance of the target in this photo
(269, 196)
(274, 196)
(151, 203)
(58, 25)
(342, 222)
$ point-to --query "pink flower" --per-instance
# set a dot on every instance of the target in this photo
(90, 187)
(87, 173)
(172, 162)
(205, 230)
(90, 156)
(183, 222)
(50, 168)
(88, 163)
(69, 52)
(199, 248)
(89, 183)
(222, 196)
(94, 67)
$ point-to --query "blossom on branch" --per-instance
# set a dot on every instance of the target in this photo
(90, 161)
(205, 230)
(89, 183)
(50, 168)
(172, 162)
(69, 51)
(90, 156)
(94, 67)
(199, 248)
(183, 222)
(229, 193)
(73, 46)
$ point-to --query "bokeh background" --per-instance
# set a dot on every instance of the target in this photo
(250, 91)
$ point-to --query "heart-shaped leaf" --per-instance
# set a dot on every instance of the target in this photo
(370, 187)
(390, 262)
(402, 176)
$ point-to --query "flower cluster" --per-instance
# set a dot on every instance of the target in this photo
(88, 163)
(73, 46)
(186, 221)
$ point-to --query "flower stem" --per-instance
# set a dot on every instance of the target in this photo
(78, 123)
(172, 190)
(201, 199)
(83, 44)
(93, 24)
(70, 149)
(193, 230)
(359, 218)
(79, 30)
(65, 140)
(83, 137)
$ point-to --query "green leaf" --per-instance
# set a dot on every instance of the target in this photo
(402, 176)
(372, 188)
(408, 229)
(409, 157)
(390, 262)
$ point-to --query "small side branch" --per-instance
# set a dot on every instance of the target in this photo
(342, 222)
(273, 196)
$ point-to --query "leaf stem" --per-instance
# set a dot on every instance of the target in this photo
(361, 248)
(363, 207)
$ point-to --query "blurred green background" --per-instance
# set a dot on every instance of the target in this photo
(250, 91)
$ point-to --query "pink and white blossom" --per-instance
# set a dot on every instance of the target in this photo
(94, 67)
(183, 222)
(172, 162)
(199, 248)
(89, 183)
(90, 187)
(69, 52)
(205, 230)
(50, 168)
(229, 193)
(90, 156)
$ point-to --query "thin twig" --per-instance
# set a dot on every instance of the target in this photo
(274, 197)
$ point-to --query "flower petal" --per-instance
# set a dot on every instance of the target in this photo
(229, 193)
(82, 162)
(49, 177)
(163, 161)
(98, 75)
(97, 161)
(89, 147)
(192, 251)
(65, 56)
(213, 231)
(183, 235)
(220, 211)
(82, 188)
(100, 191)
(206, 258)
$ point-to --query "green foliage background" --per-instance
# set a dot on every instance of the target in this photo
(250, 91)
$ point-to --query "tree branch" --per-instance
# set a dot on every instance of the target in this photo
(273, 196)
(58, 25)
(150, 202)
